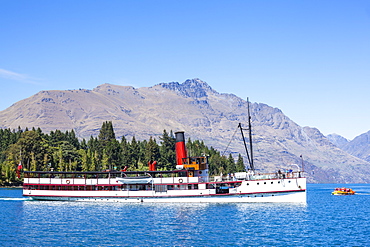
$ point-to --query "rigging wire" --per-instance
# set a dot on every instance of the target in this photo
(229, 142)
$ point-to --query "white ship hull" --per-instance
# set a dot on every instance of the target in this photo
(292, 197)
(292, 190)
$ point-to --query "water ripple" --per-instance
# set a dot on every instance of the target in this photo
(324, 221)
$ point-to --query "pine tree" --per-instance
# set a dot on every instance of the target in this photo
(105, 161)
(167, 157)
(125, 152)
(72, 139)
(152, 151)
(33, 162)
(135, 149)
(240, 164)
(61, 164)
(85, 162)
(94, 166)
(106, 133)
(231, 168)
(113, 152)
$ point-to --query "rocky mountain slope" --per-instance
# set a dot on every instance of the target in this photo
(337, 140)
(203, 113)
(359, 147)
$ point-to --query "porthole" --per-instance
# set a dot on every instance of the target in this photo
(264, 182)
(272, 182)
(258, 183)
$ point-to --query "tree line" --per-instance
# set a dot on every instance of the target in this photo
(63, 151)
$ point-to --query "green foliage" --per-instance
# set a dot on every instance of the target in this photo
(240, 167)
(62, 151)
(167, 155)
(151, 150)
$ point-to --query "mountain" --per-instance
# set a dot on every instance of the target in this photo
(337, 140)
(203, 113)
(359, 147)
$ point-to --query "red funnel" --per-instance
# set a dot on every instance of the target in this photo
(180, 147)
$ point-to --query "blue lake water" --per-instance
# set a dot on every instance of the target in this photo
(325, 220)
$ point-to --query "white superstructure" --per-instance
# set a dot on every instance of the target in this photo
(162, 187)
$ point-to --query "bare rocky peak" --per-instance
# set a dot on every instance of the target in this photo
(359, 147)
(194, 88)
(337, 140)
(203, 113)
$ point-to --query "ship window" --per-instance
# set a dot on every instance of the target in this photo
(160, 188)
(210, 186)
(278, 182)
(248, 184)
(264, 182)
(289, 181)
(272, 182)
(189, 186)
(195, 186)
(258, 183)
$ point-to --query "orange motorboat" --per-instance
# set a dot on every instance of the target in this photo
(343, 191)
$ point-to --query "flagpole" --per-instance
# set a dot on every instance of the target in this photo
(302, 163)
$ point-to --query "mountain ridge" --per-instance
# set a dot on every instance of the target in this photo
(199, 110)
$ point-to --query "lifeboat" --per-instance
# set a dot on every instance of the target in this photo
(343, 191)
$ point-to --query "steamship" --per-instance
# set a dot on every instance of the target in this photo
(189, 183)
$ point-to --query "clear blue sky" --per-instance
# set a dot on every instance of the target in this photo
(309, 58)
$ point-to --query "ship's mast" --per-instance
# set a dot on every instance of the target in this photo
(245, 144)
(250, 135)
(249, 156)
